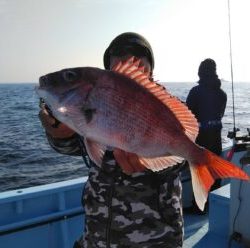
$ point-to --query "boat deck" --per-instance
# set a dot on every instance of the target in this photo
(51, 216)
(195, 228)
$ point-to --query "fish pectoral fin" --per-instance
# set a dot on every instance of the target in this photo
(95, 151)
(160, 163)
(204, 174)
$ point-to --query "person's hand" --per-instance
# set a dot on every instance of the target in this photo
(48, 121)
(129, 162)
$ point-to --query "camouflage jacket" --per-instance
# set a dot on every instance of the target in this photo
(143, 210)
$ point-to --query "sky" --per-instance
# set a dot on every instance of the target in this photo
(41, 36)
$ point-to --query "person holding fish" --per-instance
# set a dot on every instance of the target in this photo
(134, 136)
(138, 208)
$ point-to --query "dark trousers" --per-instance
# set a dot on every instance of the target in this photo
(210, 139)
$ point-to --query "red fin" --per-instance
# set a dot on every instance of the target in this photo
(95, 151)
(204, 174)
(160, 163)
(131, 69)
(201, 181)
(129, 162)
(220, 168)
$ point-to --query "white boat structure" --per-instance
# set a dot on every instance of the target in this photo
(51, 216)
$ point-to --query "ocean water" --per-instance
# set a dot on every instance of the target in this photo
(26, 159)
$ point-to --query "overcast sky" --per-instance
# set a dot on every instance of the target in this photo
(41, 36)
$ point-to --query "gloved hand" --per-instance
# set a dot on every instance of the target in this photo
(52, 126)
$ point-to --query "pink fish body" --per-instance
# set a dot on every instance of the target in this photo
(125, 110)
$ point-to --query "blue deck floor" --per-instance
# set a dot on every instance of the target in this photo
(197, 233)
(210, 230)
(55, 213)
(195, 227)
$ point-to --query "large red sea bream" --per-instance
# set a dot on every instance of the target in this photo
(123, 109)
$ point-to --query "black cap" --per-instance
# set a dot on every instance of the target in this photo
(126, 43)
(207, 68)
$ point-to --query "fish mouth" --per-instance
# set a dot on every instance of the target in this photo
(42, 91)
(43, 102)
(52, 96)
(43, 87)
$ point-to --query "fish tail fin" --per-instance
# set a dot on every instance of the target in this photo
(205, 172)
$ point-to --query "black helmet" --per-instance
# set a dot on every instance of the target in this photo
(126, 43)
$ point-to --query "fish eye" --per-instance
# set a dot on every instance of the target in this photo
(69, 75)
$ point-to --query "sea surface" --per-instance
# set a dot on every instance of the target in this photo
(26, 159)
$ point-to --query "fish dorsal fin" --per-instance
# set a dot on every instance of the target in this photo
(131, 69)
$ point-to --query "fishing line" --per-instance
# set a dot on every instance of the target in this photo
(235, 235)
(234, 128)
(231, 62)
